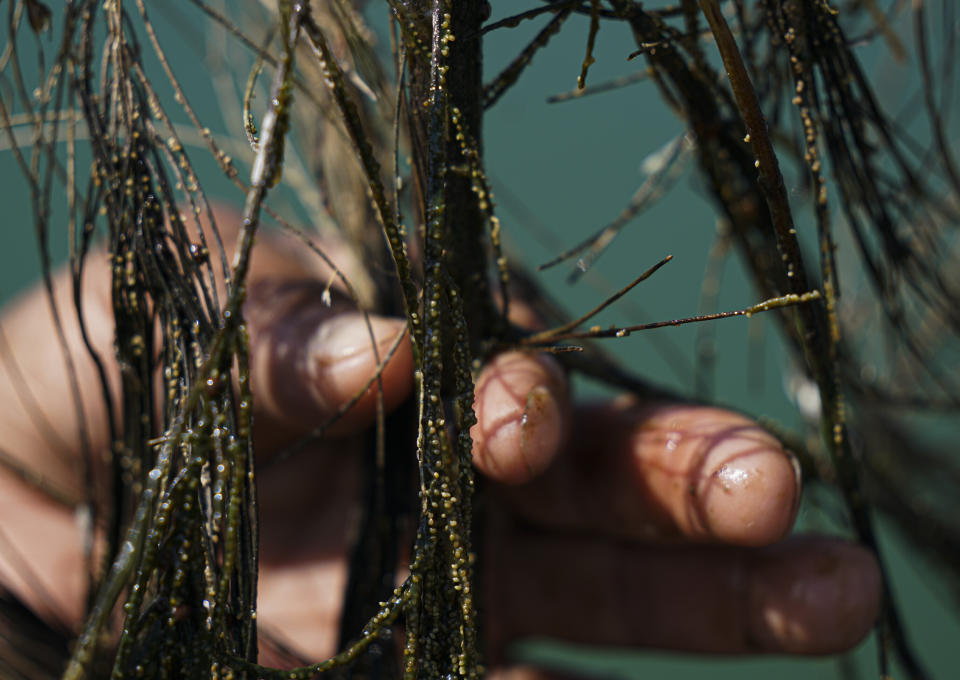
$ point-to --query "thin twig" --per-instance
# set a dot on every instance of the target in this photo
(553, 333)
(614, 332)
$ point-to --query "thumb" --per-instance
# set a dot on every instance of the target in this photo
(312, 363)
(312, 353)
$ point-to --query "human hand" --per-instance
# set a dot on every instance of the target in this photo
(625, 523)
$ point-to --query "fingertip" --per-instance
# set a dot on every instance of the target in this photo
(813, 595)
(522, 407)
(751, 493)
(342, 357)
(310, 360)
(717, 474)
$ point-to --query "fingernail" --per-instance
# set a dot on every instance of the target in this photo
(348, 335)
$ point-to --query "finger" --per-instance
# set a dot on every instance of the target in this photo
(535, 673)
(309, 360)
(312, 350)
(305, 539)
(41, 551)
(40, 420)
(811, 595)
(522, 406)
(660, 471)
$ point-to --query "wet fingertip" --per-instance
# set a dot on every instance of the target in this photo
(523, 444)
(710, 475)
(522, 407)
(751, 491)
(814, 595)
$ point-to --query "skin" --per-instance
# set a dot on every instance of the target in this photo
(623, 523)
